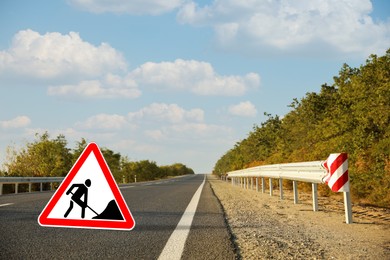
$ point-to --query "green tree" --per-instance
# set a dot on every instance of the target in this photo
(43, 157)
(114, 163)
(176, 169)
(80, 146)
(146, 170)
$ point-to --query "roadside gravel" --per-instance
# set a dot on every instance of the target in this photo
(265, 227)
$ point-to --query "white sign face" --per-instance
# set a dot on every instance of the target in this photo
(99, 193)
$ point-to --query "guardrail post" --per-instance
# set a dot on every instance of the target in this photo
(257, 184)
(262, 185)
(281, 188)
(295, 190)
(315, 197)
(1, 188)
(41, 187)
(29, 187)
(347, 207)
(270, 187)
(251, 183)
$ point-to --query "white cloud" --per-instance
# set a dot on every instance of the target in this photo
(155, 134)
(75, 68)
(244, 109)
(196, 130)
(73, 134)
(72, 67)
(341, 26)
(104, 121)
(173, 124)
(171, 113)
(137, 7)
(187, 132)
(17, 122)
(112, 86)
(195, 76)
(57, 56)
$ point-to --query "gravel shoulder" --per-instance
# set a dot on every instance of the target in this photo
(265, 227)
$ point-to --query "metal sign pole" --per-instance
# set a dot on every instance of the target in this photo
(348, 207)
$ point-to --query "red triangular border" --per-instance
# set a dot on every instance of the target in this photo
(127, 224)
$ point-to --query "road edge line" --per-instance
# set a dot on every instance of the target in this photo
(6, 204)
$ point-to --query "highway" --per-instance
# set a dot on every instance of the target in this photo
(157, 208)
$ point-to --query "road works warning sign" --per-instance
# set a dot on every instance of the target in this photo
(88, 197)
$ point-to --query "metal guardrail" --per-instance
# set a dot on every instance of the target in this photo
(312, 172)
(29, 181)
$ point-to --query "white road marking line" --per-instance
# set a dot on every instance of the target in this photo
(6, 204)
(175, 246)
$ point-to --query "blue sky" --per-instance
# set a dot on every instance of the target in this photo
(171, 80)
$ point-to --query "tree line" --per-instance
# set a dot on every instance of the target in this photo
(352, 115)
(47, 156)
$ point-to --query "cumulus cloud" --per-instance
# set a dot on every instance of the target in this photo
(104, 121)
(73, 67)
(170, 113)
(196, 130)
(292, 26)
(17, 122)
(199, 131)
(112, 86)
(194, 76)
(57, 56)
(154, 115)
(158, 122)
(85, 70)
(136, 7)
(155, 134)
(244, 109)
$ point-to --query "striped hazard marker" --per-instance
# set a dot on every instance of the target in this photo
(337, 167)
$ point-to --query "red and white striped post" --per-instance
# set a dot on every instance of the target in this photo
(338, 179)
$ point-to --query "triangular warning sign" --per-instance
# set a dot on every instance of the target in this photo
(88, 197)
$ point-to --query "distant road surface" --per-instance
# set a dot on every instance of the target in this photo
(157, 208)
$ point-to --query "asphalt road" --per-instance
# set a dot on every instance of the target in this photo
(157, 208)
